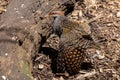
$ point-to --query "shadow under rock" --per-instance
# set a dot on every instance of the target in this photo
(53, 54)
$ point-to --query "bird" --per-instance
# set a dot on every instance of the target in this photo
(74, 41)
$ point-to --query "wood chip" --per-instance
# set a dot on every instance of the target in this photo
(86, 75)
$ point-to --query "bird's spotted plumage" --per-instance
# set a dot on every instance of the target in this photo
(72, 44)
(70, 61)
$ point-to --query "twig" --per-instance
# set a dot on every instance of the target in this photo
(86, 75)
(94, 19)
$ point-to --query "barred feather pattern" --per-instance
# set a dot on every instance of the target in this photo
(72, 45)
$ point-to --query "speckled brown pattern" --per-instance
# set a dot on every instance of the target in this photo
(70, 60)
(72, 49)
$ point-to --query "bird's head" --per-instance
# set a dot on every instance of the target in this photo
(57, 24)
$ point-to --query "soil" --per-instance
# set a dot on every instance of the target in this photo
(103, 16)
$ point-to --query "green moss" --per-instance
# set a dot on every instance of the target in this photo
(24, 63)
(25, 68)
